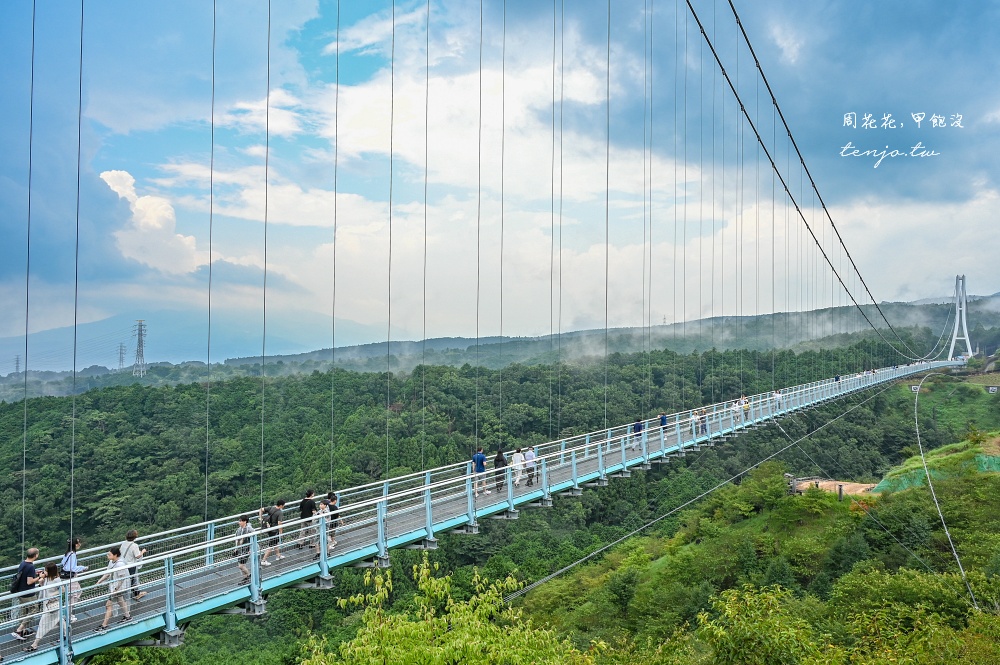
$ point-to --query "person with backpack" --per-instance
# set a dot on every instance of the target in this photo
(50, 605)
(132, 558)
(117, 578)
(25, 579)
(243, 548)
(270, 524)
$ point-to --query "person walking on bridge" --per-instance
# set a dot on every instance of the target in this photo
(517, 461)
(117, 578)
(270, 523)
(529, 463)
(243, 532)
(307, 510)
(636, 433)
(479, 472)
(132, 558)
(499, 463)
(26, 579)
(50, 605)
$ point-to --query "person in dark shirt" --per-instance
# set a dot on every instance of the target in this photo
(26, 603)
(307, 510)
(272, 534)
(499, 462)
(479, 471)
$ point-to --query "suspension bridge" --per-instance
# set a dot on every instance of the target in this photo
(783, 252)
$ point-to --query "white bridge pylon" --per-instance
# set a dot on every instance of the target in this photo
(961, 305)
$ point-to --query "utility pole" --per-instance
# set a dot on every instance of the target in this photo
(139, 368)
(121, 357)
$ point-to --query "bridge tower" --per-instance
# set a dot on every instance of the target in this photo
(961, 305)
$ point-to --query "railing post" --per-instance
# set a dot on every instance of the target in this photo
(645, 446)
(210, 550)
(428, 507)
(65, 631)
(576, 478)
(255, 580)
(170, 618)
(586, 446)
(677, 430)
(608, 439)
(381, 510)
(510, 488)
(562, 450)
(470, 493)
(663, 440)
(631, 439)
(324, 564)
(545, 478)
(600, 459)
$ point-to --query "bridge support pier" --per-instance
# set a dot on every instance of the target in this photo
(544, 502)
(319, 582)
(252, 608)
(374, 562)
(506, 515)
(466, 530)
(425, 544)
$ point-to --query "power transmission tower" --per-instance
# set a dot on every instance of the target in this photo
(121, 357)
(139, 368)
(17, 365)
(961, 304)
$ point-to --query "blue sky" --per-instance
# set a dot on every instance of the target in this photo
(144, 198)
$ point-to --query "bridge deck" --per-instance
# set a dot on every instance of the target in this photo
(192, 570)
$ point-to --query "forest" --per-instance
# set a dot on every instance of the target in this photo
(668, 595)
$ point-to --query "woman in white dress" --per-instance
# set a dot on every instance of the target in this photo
(50, 605)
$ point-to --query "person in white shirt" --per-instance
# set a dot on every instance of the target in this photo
(529, 462)
(132, 558)
(117, 579)
(517, 462)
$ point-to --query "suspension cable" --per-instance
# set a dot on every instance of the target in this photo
(388, 300)
(263, 306)
(930, 484)
(479, 214)
(27, 281)
(607, 209)
(791, 197)
(76, 281)
(503, 154)
(211, 219)
(423, 345)
(333, 304)
(812, 182)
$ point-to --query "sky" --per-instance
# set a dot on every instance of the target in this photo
(240, 181)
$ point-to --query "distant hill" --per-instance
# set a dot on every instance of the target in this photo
(798, 331)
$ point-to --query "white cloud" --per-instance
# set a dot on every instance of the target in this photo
(150, 238)
(788, 40)
(279, 115)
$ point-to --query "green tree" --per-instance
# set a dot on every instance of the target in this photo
(440, 630)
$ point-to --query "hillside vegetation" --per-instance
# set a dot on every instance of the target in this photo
(668, 597)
